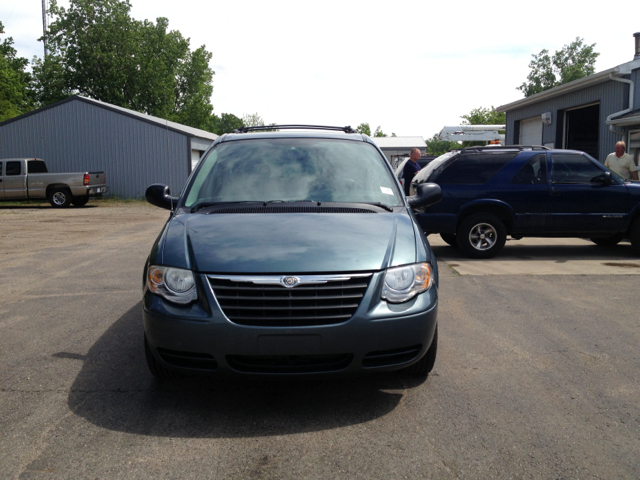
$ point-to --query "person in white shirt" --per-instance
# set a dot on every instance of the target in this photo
(621, 163)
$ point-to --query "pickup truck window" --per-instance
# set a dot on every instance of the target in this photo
(473, 169)
(36, 166)
(14, 168)
(534, 172)
(573, 168)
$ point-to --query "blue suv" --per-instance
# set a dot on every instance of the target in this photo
(491, 192)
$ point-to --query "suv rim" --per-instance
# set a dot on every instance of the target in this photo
(59, 198)
(483, 236)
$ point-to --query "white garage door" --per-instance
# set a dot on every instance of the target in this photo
(195, 158)
(531, 131)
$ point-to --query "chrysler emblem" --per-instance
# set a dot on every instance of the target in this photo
(289, 281)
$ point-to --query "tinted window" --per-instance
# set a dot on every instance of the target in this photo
(14, 168)
(534, 172)
(474, 169)
(573, 168)
(35, 166)
(294, 169)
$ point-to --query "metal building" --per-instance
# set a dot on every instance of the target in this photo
(82, 134)
(590, 114)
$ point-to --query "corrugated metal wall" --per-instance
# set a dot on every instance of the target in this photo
(613, 97)
(78, 136)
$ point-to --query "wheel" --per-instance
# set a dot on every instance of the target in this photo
(80, 201)
(156, 369)
(635, 236)
(607, 241)
(60, 197)
(424, 366)
(481, 235)
(450, 238)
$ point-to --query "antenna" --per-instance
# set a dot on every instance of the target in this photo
(44, 26)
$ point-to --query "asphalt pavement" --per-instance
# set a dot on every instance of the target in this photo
(537, 375)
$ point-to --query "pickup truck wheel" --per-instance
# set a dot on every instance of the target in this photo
(80, 201)
(481, 235)
(157, 370)
(635, 236)
(450, 238)
(60, 198)
(607, 241)
(424, 366)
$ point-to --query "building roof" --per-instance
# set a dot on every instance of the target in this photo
(177, 127)
(595, 79)
(400, 142)
(629, 118)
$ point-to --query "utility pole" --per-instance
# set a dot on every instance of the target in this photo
(44, 26)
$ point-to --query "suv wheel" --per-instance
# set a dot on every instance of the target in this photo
(481, 235)
(450, 238)
(635, 236)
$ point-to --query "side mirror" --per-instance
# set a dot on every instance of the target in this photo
(160, 196)
(605, 178)
(426, 194)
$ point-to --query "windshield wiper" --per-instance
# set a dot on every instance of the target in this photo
(201, 205)
(379, 204)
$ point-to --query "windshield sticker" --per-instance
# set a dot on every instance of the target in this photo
(386, 191)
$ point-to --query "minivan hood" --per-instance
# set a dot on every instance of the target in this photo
(288, 242)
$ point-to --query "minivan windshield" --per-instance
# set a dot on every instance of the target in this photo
(293, 169)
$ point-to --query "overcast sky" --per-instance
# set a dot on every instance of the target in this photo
(410, 67)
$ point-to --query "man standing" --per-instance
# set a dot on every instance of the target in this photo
(621, 163)
(410, 169)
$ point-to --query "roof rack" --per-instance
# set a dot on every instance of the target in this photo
(263, 128)
(480, 148)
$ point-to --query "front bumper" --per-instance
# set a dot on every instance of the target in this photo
(199, 339)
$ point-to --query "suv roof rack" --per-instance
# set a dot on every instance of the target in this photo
(263, 128)
(480, 148)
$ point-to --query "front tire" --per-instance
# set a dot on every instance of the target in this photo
(635, 236)
(60, 197)
(424, 366)
(450, 238)
(481, 235)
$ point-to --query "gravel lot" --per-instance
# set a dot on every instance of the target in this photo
(537, 376)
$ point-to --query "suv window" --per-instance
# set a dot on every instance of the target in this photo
(533, 172)
(573, 168)
(14, 168)
(294, 169)
(473, 169)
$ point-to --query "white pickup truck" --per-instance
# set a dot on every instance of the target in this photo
(28, 178)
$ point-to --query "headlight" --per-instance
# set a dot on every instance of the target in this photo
(404, 283)
(174, 284)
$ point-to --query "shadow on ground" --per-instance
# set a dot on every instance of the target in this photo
(114, 390)
(515, 251)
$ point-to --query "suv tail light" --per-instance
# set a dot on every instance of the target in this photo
(86, 179)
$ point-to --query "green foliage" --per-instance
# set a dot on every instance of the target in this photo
(15, 93)
(437, 147)
(484, 116)
(225, 123)
(379, 132)
(572, 62)
(252, 120)
(364, 128)
(98, 50)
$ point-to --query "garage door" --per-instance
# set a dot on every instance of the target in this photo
(531, 131)
(195, 158)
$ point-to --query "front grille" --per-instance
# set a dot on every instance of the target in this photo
(273, 305)
(289, 363)
(385, 358)
(199, 361)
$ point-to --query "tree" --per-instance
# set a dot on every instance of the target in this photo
(437, 147)
(379, 132)
(364, 128)
(252, 120)
(15, 92)
(225, 123)
(484, 116)
(97, 49)
(572, 62)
